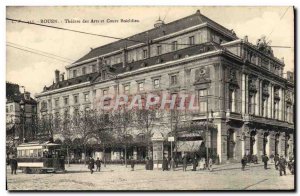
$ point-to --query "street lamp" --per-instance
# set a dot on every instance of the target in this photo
(22, 105)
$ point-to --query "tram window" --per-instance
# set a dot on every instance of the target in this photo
(26, 153)
(40, 154)
(31, 153)
(35, 153)
(19, 153)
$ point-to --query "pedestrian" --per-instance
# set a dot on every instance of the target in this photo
(210, 163)
(282, 163)
(291, 165)
(276, 161)
(165, 164)
(91, 164)
(254, 159)
(172, 164)
(13, 165)
(195, 163)
(184, 162)
(132, 163)
(244, 162)
(98, 164)
(202, 164)
(265, 160)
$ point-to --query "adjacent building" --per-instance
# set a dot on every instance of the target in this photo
(241, 86)
(21, 115)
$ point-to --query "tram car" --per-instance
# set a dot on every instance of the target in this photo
(37, 157)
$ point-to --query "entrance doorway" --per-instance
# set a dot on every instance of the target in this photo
(277, 143)
(252, 142)
(230, 144)
(265, 143)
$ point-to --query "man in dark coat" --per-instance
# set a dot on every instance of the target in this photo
(276, 160)
(282, 163)
(132, 163)
(265, 159)
(13, 165)
(184, 162)
(244, 162)
(91, 164)
(98, 164)
(165, 164)
(195, 163)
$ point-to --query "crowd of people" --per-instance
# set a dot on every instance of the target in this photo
(279, 161)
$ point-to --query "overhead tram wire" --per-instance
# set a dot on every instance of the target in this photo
(101, 35)
(39, 54)
(35, 50)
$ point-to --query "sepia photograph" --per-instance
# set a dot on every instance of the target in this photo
(150, 98)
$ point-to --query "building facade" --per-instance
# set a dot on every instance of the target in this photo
(21, 115)
(240, 86)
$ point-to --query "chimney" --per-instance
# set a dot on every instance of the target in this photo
(246, 38)
(290, 76)
(27, 95)
(56, 76)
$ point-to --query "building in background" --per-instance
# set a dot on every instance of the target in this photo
(240, 87)
(21, 115)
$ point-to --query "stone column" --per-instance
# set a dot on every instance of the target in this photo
(246, 95)
(257, 99)
(282, 144)
(260, 98)
(271, 140)
(280, 104)
(268, 145)
(259, 144)
(158, 149)
(243, 94)
(219, 142)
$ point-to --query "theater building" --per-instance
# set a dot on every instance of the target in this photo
(240, 85)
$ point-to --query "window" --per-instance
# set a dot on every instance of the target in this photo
(158, 50)
(192, 40)
(11, 108)
(251, 104)
(141, 86)
(105, 92)
(263, 108)
(75, 99)
(66, 100)
(93, 68)
(174, 46)
(232, 100)
(275, 110)
(83, 71)
(145, 53)
(6, 109)
(74, 73)
(156, 83)
(202, 100)
(56, 103)
(33, 109)
(174, 80)
(86, 97)
(126, 89)
(76, 111)
(106, 102)
(66, 113)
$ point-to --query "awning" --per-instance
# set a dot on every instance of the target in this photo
(188, 146)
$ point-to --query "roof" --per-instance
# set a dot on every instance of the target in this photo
(143, 37)
(118, 68)
(18, 97)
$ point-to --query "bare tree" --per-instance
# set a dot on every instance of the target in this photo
(122, 125)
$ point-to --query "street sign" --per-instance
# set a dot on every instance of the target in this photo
(170, 139)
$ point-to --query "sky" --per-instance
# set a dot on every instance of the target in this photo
(34, 71)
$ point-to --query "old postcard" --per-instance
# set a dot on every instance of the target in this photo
(150, 98)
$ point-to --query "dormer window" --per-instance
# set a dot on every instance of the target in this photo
(145, 53)
(83, 71)
(174, 45)
(74, 73)
(192, 40)
(158, 50)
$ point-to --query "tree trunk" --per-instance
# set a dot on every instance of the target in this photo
(84, 147)
(104, 157)
(125, 156)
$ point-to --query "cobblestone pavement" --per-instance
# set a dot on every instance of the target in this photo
(117, 177)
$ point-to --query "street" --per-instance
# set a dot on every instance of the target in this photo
(117, 177)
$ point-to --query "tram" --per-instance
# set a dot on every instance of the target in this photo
(37, 157)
